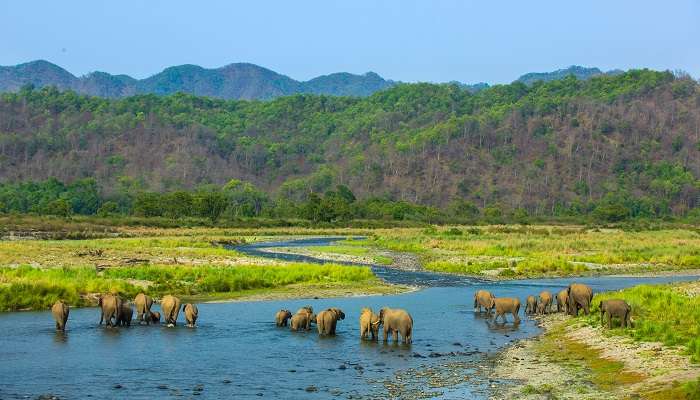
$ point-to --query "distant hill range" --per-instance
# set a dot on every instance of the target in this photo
(233, 81)
(579, 72)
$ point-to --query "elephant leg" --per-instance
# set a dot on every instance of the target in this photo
(516, 318)
(609, 321)
(386, 333)
(395, 333)
(586, 310)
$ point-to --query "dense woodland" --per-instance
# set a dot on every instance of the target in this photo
(614, 147)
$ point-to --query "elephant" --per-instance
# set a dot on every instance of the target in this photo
(369, 324)
(544, 302)
(530, 305)
(60, 311)
(126, 313)
(327, 320)
(302, 320)
(191, 313)
(579, 296)
(171, 309)
(396, 321)
(506, 305)
(561, 300)
(282, 316)
(616, 308)
(154, 317)
(143, 304)
(111, 306)
(483, 298)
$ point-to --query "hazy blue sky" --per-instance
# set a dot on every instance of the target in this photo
(431, 40)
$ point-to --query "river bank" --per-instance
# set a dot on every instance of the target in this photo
(578, 359)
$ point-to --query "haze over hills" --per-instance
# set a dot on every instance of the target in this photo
(233, 81)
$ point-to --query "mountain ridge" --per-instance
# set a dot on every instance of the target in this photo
(235, 81)
(240, 81)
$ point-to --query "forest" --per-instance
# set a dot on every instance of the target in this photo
(609, 148)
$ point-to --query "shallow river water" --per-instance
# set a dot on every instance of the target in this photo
(237, 352)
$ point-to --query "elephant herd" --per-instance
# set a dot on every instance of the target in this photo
(575, 297)
(394, 321)
(115, 311)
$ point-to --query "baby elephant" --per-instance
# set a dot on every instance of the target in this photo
(282, 316)
(369, 323)
(191, 313)
(302, 319)
(396, 321)
(154, 317)
(506, 305)
(561, 301)
(531, 305)
(60, 312)
(616, 308)
(544, 303)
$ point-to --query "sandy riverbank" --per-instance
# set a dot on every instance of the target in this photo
(573, 361)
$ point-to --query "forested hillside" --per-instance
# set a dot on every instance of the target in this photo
(626, 145)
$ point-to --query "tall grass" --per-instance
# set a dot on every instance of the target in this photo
(28, 287)
(661, 314)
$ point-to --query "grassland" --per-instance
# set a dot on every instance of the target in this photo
(192, 263)
(541, 251)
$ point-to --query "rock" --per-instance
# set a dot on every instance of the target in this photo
(226, 381)
(162, 387)
(198, 388)
(418, 355)
(342, 366)
(311, 389)
(457, 344)
(117, 386)
(292, 370)
(379, 364)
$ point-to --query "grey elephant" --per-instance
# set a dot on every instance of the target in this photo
(327, 320)
(579, 296)
(561, 300)
(191, 314)
(506, 305)
(483, 298)
(282, 317)
(530, 305)
(171, 309)
(110, 307)
(616, 308)
(369, 324)
(60, 311)
(126, 314)
(143, 305)
(544, 302)
(396, 321)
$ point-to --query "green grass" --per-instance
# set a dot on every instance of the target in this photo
(660, 313)
(341, 249)
(536, 251)
(28, 287)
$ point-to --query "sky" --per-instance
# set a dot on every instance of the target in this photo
(430, 40)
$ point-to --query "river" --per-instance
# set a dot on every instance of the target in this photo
(236, 350)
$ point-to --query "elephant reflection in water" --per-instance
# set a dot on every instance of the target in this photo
(503, 327)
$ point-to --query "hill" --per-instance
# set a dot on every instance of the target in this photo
(560, 147)
(579, 72)
(234, 81)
